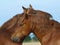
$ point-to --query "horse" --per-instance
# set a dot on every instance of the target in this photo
(41, 24)
(46, 29)
(9, 27)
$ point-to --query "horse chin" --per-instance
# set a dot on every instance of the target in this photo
(16, 39)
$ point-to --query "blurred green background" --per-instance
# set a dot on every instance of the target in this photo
(31, 39)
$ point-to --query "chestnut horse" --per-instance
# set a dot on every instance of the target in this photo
(9, 28)
(46, 29)
(42, 25)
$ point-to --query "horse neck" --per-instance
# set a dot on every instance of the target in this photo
(43, 32)
(6, 33)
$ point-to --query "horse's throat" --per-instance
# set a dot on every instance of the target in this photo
(6, 34)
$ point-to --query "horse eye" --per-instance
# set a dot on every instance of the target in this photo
(34, 13)
(21, 24)
(52, 24)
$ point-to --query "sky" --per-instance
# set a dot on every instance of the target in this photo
(9, 8)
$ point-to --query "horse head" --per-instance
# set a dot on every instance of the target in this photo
(15, 29)
(23, 27)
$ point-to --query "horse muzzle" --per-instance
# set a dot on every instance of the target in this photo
(15, 39)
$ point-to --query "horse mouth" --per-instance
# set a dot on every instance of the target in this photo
(15, 39)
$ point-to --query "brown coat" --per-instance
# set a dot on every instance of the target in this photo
(7, 29)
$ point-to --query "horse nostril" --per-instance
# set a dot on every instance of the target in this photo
(15, 39)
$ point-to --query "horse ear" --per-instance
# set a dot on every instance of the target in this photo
(29, 9)
(25, 9)
(31, 6)
(25, 12)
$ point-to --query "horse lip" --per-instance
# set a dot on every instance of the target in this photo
(15, 39)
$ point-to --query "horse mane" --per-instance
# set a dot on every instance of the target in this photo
(46, 13)
(11, 23)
